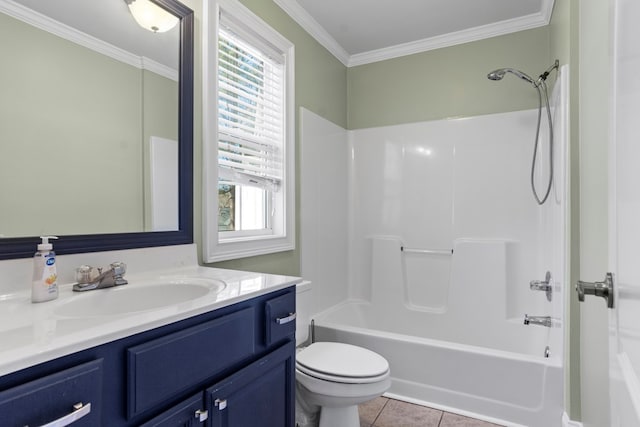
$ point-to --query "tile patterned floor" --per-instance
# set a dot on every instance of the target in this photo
(384, 412)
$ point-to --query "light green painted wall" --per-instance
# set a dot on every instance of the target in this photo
(66, 109)
(59, 120)
(448, 82)
(564, 40)
(594, 126)
(320, 85)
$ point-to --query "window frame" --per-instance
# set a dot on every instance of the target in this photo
(244, 244)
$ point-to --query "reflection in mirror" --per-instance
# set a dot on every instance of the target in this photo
(96, 134)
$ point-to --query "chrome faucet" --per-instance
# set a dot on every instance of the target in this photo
(538, 320)
(543, 285)
(90, 278)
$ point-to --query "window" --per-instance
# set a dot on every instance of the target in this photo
(249, 206)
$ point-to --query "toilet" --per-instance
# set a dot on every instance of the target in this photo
(334, 377)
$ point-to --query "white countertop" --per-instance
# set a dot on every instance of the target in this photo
(34, 333)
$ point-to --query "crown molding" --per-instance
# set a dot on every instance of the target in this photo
(451, 39)
(311, 26)
(71, 34)
(307, 22)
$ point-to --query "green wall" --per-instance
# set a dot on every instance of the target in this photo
(65, 110)
(448, 82)
(593, 135)
(320, 86)
(563, 35)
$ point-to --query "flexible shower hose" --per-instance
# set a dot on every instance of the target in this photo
(541, 83)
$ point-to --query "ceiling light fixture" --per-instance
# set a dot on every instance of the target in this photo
(150, 16)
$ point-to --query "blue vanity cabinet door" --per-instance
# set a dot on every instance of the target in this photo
(162, 368)
(188, 413)
(261, 394)
(52, 397)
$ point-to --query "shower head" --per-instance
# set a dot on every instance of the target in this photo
(499, 74)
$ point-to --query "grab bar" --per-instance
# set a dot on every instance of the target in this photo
(427, 251)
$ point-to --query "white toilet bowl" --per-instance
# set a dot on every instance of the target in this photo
(337, 377)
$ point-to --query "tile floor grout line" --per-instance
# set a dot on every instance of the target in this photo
(380, 412)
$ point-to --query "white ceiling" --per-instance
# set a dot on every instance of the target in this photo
(106, 21)
(363, 31)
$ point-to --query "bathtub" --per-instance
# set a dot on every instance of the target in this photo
(472, 357)
(427, 257)
(504, 387)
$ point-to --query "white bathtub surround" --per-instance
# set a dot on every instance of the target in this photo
(567, 422)
(450, 324)
(324, 202)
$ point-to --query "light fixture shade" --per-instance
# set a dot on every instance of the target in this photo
(151, 16)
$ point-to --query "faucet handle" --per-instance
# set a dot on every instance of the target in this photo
(119, 268)
(87, 274)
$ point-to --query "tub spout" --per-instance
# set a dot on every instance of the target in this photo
(538, 320)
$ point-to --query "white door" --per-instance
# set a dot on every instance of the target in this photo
(624, 246)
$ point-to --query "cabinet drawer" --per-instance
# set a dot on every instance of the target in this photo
(280, 318)
(53, 397)
(161, 368)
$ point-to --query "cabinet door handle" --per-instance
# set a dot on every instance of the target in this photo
(221, 404)
(79, 411)
(202, 415)
(282, 320)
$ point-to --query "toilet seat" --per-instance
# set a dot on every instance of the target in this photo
(342, 363)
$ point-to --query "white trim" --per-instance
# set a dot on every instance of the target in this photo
(307, 22)
(214, 249)
(567, 422)
(451, 39)
(451, 409)
(317, 31)
(159, 69)
(45, 23)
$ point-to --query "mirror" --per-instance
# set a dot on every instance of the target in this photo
(91, 159)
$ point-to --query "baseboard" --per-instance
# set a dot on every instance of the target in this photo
(457, 411)
(566, 422)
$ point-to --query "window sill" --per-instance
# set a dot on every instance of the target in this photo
(244, 248)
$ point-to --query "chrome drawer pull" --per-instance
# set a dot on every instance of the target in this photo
(221, 404)
(79, 411)
(282, 320)
(202, 415)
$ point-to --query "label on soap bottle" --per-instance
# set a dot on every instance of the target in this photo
(49, 274)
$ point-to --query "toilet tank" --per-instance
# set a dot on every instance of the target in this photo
(304, 309)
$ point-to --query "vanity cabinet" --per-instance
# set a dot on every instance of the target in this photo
(71, 395)
(233, 366)
(186, 414)
(257, 395)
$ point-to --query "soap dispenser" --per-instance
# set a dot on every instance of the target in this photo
(44, 286)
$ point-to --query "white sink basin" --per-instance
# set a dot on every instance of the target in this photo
(134, 298)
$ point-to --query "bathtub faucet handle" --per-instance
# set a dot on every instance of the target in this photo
(543, 285)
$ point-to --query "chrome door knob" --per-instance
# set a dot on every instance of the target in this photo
(602, 289)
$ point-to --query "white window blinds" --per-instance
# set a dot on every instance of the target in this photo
(250, 114)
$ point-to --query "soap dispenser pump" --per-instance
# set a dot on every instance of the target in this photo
(44, 286)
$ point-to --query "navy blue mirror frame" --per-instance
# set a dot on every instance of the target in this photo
(22, 247)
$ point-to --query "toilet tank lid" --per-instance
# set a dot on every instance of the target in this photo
(341, 359)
